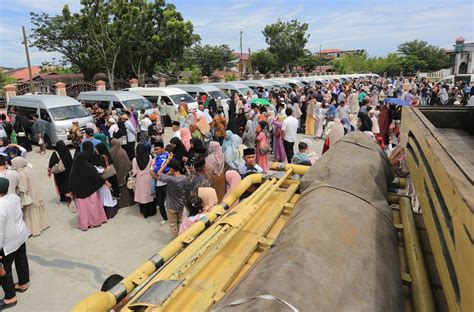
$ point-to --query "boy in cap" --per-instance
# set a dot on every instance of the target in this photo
(250, 166)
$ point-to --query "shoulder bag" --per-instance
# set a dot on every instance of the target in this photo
(131, 181)
(58, 167)
(109, 170)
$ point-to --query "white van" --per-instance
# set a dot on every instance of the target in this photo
(232, 87)
(58, 111)
(115, 100)
(198, 90)
(166, 99)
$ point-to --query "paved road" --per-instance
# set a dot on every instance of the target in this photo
(67, 264)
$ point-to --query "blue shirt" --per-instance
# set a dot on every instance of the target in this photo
(93, 140)
(159, 161)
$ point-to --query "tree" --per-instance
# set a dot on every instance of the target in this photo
(421, 56)
(209, 58)
(286, 41)
(353, 63)
(263, 61)
(191, 75)
(64, 34)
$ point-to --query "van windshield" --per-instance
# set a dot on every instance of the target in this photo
(177, 98)
(245, 90)
(216, 94)
(138, 103)
(68, 112)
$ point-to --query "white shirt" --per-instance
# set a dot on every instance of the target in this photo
(113, 128)
(243, 169)
(131, 131)
(290, 126)
(13, 230)
(13, 177)
(144, 124)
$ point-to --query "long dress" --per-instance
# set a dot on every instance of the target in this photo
(35, 214)
(319, 121)
(122, 165)
(90, 211)
(310, 121)
(278, 148)
(61, 180)
(262, 159)
(143, 188)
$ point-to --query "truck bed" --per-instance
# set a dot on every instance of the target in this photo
(461, 143)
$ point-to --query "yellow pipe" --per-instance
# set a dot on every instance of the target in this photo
(104, 301)
(299, 169)
(420, 286)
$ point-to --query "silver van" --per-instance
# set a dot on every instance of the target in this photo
(115, 100)
(58, 111)
(198, 90)
(232, 87)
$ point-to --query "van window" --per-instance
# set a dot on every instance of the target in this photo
(118, 107)
(152, 98)
(167, 100)
(69, 112)
(193, 94)
(138, 104)
(27, 111)
(44, 115)
(177, 98)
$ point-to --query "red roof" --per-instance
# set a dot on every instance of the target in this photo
(245, 56)
(330, 50)
(21, 74)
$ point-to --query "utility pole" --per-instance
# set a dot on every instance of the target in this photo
(25, 41)
(241, 64)
(319, 58)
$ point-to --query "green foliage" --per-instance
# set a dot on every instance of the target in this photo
(209, 58)
(230, 77)
(353, 63)
(420, 56)
(120, 37)
(286, 41)
(191, 75)
(263, 61)
(309, 61)
(5, 80)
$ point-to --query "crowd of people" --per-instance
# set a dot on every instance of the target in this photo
(123, 159)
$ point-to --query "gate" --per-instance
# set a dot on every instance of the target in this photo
(77, 87)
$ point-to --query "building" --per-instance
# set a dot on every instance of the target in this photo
(245, 62)
(335, 54)
(464, 57)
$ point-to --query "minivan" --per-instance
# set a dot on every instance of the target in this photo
(198, 90)
(166, 99)
(232, 87)
(115, 100)
(58, 111)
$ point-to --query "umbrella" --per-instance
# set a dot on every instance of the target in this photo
(260, 101)
(396, 101)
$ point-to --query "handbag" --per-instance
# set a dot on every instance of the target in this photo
(131, 181)
(58, 167)
(264, 150)
(109, 170)
(25, 199)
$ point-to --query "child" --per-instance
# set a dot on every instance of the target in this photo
(174, 195)
(301, 157)
(194, 206)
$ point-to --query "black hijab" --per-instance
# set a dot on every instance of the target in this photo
(197, 148)
(366, 122)
(104, 151)
(179, 151)
(84, 179)
(142, 156)
(63, 153)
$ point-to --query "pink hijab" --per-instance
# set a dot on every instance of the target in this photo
(209, 198)
(185, 138)
(216, 160)
(232, 179)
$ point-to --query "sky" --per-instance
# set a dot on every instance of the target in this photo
(376, 26)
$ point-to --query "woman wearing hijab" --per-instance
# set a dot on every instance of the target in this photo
(364, 123)
(102, 138)
(232, 124)
(346, 123)
(108, 194)
(185, 135)
(179, 151)
(331, 112)
(334, 132)
(215, 164)
(310, 120)
(85, 184)
(141, 165)
(22, 128)
(61, 179)
(319, 112)
(241, 122)
(121, 134)
(263, 146)
(122, 165)
(278, 148)
(34, 212)
(209, 198)
(249, 136)
(232, 179)
(231, 150)
(384, 122)
(197, 147)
